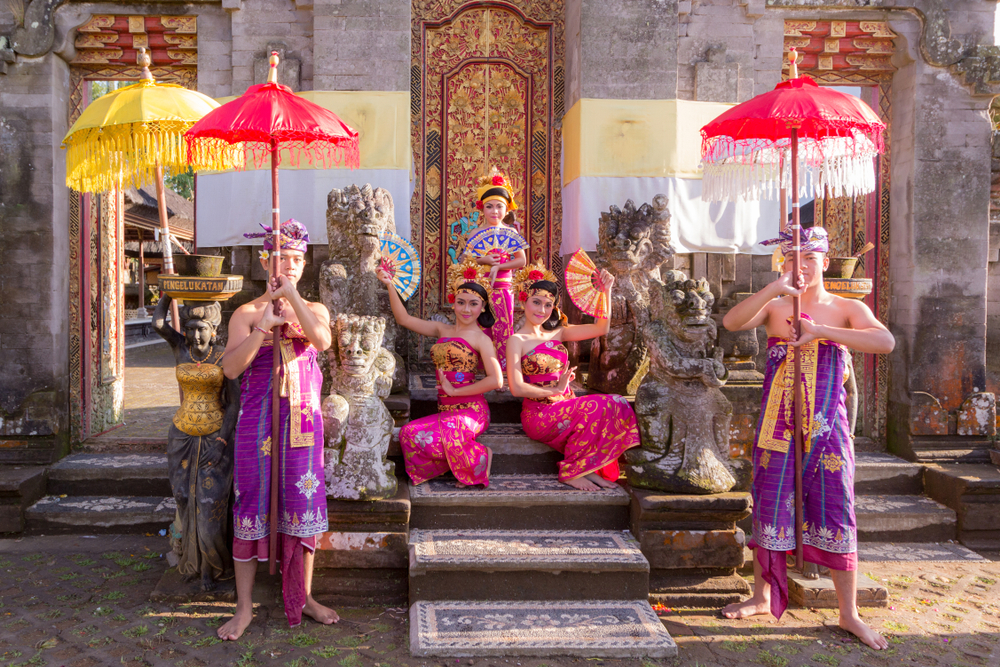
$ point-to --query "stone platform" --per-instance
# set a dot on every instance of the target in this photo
(54, 515)
(613, 629)
(517, 502)
(973, 492)
(526, 565)
(820, 593)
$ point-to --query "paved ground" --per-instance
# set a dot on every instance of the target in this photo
(151, 397)
(83, 602)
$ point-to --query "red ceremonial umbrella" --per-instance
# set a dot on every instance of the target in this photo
(829, 136)
(264, 120)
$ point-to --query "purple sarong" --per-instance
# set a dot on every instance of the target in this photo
(302, 496)
(829, 529)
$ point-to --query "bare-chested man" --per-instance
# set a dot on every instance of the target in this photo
(830, 325)
(305, 332)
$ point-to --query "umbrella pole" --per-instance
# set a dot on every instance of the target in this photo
(276, 363)
(168, 254)
(797, 326)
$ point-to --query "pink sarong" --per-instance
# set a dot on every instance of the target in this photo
(591, 432)
(502, 303)
(435, 444)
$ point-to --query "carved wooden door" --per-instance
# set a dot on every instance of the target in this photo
(486, 91)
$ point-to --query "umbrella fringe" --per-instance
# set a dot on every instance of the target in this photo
(837, 176)
(100, 159)
(326, 153)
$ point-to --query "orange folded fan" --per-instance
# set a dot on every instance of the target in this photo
(583, 284)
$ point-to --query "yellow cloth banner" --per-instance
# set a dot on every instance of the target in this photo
(628, 138)
(381, 118)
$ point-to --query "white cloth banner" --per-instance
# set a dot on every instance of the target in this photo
(235, 203)
(695, 225)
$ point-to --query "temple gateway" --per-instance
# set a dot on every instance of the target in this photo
(592, 110)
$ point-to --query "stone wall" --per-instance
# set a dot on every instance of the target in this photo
(621, 49)
(347, 36)
(260, 25)
(938, 266)
(34, 288)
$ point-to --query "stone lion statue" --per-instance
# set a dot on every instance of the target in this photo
(632, 244)
(357, 425)
(355, 217)
(683, 415)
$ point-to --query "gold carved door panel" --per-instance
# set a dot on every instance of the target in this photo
(487, 91)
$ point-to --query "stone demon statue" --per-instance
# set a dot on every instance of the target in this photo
(632, 244)
(357, 426)
(683, 415)
(355, 217)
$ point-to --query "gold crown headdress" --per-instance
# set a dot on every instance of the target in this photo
(468, 271)
(495, 185)
(528, 276)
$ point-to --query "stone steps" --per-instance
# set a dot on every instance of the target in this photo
(498, 565)
(592, 628)
(902, 518)
(99, 514)
(880, 474)
(517, 502)
(20, 487)
(110, 475)
(973, 492)
(514, 453)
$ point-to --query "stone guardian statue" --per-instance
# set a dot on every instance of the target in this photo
(355, 217)
(632, 244)
(683, 415)
(356, 424)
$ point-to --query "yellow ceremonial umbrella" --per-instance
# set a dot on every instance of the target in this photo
(128, 136)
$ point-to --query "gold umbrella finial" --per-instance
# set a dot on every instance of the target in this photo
(272, 75)
(143, 60)
(793, 55)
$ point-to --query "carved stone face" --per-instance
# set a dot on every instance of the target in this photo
(631, 238)
(688, 308)
(356, 216)
(357, 340)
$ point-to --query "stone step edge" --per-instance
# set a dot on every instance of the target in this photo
(423, 564)
(480, 497)
(930, 507)
(54, 510)
(659, 645)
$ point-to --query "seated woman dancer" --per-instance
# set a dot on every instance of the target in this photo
(447, 441)
(495, 198)
(590, 431)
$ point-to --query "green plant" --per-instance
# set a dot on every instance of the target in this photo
(770, 660)
(302, 640)
(826, 660)
(210, 640)
(114, 595)
(326, 652)
(137, 631)
(351, 660)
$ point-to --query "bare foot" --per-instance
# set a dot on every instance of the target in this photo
(582, 484)
(489, 462)
(234, 628)
(747, 608)
(860, 629)
(600, 481)
(319, 613)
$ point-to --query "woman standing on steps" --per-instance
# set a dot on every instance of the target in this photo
(495, 198)
(447, 441)
(590, 431)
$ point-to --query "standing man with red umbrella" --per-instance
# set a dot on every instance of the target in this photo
(830, 325)
(279, 477)
(803, 485)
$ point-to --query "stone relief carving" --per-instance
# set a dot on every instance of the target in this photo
(355, 217)
(357, 425)
(683, 415)
(632, 244)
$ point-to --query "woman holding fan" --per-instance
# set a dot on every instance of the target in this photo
(447, 441)
(590, 431)
(494, 199)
